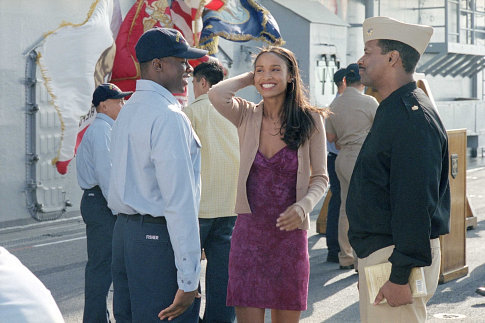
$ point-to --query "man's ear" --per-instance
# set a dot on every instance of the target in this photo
(204, 82)
(394, 57)
(157, 64)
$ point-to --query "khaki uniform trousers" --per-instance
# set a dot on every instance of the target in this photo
(344, 166)
(383, 313)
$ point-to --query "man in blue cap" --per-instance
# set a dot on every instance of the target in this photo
(155, 188)
(93, 166)
(351, 119)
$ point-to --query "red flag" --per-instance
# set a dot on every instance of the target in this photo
(146, 14)
(125, 68)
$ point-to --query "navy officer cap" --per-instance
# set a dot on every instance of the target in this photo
(163, 42)
(339, 75)
(108, 91)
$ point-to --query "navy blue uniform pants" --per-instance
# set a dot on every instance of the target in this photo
(99, 233)
(333, 209)
(144, 272)
(215, 239)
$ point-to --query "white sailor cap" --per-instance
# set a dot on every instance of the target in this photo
(416, 36)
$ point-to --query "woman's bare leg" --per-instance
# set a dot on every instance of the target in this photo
(284, 316)
(249, 314)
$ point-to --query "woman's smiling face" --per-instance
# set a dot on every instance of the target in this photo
(271, 75)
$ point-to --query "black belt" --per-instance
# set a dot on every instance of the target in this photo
(332, 154)
(144, 218)
(94, 188)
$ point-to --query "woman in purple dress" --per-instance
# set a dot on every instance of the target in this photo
(282, 175)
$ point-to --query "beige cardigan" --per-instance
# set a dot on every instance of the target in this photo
(312, 178)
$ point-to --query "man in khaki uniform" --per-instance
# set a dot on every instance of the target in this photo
(348, 126)
(334, 203)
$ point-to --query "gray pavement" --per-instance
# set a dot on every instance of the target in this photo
(55, 252)
(333, 293)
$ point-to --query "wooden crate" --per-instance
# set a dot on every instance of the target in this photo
(453, 245)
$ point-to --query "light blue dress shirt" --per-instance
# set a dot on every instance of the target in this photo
(156, 171)
(331, 148)
(93, 163)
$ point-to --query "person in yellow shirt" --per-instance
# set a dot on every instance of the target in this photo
(220, 166)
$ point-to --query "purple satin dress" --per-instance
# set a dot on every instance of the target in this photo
(269, 268)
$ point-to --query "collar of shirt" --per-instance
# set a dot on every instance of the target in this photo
(201, 97)
(105, 117)
(148, 85)
(351, 90)
(409, 87)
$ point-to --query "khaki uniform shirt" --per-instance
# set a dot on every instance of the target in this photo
(352, 118)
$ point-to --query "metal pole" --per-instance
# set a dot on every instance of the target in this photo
(369, 8)
(447, 23)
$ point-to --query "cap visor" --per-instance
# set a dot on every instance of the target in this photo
(122, 95)
(192, 53)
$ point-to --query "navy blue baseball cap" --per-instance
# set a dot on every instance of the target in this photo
(108, 91)
(352, 73)
(163, 42)
(339, 75)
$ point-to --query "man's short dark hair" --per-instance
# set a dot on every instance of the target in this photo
(409, 55)
(211, 71)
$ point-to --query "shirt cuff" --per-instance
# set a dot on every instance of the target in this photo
(188, 282)
(400, 275)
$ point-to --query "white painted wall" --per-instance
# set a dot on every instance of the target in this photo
(22, 23)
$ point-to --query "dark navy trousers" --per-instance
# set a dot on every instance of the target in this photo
(215, 238)
(144, 272)
(99, 233)
(333, 209)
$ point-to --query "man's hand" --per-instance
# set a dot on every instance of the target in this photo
(181, 303)
(291, 218)
(395, 294)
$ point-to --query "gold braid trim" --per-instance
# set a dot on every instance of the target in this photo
(211, 45)
(138, 9)
(245, 37)
(47, 82)
(275, 42)
(65, 24)
(47, 79)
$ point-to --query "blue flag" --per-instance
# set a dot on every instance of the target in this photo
(239, 20)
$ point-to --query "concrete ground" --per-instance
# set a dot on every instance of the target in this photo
(333, 293)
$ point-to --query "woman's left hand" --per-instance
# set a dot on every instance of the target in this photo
(291, 218)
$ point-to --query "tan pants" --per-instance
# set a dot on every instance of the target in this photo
(415, 312)
(344, 166)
